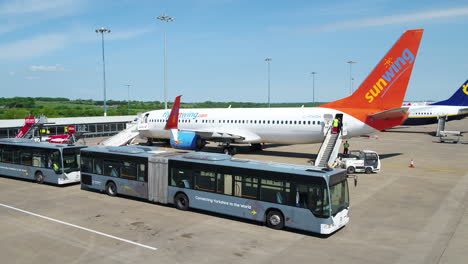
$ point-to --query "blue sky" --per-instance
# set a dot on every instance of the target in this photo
(216, 48)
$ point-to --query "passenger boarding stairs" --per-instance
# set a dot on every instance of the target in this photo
(123, 137)
(329, 149)
(30, 126)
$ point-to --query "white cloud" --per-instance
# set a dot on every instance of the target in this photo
(419, 16)
(35, 46)
(16, 7)
(50, 68)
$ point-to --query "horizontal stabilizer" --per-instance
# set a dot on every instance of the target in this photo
(392, 113)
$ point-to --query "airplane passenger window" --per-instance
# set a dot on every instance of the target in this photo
(294, 122)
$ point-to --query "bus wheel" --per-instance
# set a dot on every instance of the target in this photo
(39, 177)
(111, 189)
(368, 170)
(351, 170)
(275, 220)
(181, 202)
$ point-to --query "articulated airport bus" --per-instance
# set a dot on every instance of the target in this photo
(42, 162)
(281, 195)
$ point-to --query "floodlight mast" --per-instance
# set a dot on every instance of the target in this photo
(268, 60)
(102, 31)
(165, 18)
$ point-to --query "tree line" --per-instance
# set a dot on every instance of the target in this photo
(20, 107)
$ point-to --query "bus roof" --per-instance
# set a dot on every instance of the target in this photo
(31, 143)
(136, 151)
(226, 160)
(154, 154)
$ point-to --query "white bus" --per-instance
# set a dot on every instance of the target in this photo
(41, 162)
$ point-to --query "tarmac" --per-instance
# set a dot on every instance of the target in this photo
(400, 215)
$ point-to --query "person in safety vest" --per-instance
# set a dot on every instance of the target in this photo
(336, 123)
(346, 147)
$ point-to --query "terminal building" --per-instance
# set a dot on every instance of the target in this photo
(95, 126)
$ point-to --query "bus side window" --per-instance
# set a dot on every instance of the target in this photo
(205, 180)
(129, 171)
(26, 158)
(111, 168)
(246, 186)
(181, 178)
(275, 191)
(142, 175)
(98, 167)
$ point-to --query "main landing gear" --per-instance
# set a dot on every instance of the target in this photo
(256, 147)
(230, 150)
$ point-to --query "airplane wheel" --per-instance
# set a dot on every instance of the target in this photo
(256, 147)
(233, 151)
(149, 142)
(226, 150)
(230, 151)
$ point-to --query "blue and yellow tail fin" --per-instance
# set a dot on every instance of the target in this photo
(459, 98)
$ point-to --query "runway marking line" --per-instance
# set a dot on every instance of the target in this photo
(396, 166)
(79, 227)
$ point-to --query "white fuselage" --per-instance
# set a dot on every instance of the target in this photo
(433, 110)
(255, 125)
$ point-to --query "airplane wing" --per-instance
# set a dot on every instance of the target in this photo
(238, 135)
(217, 135)
(392, 113)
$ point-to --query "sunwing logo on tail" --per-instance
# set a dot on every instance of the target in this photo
(394, 69)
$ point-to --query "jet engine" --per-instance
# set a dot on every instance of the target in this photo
(188, 141)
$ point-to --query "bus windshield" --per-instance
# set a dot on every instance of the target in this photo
(71, 160)
(339, 197)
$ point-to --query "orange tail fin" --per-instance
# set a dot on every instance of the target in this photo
(386, 85)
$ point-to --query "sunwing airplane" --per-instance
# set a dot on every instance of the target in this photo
(454, 108)
(374, 106)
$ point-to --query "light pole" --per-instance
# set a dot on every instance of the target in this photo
(268, 60)
(350, 76)
(313, 86)
(165, 18)
(102, 31)
(128, 98)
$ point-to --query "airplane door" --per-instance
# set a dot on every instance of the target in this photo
(144, 122)
(327, 122)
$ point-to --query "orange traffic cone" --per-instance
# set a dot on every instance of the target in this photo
(411, 164)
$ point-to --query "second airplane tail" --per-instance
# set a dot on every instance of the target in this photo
(459, 98)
